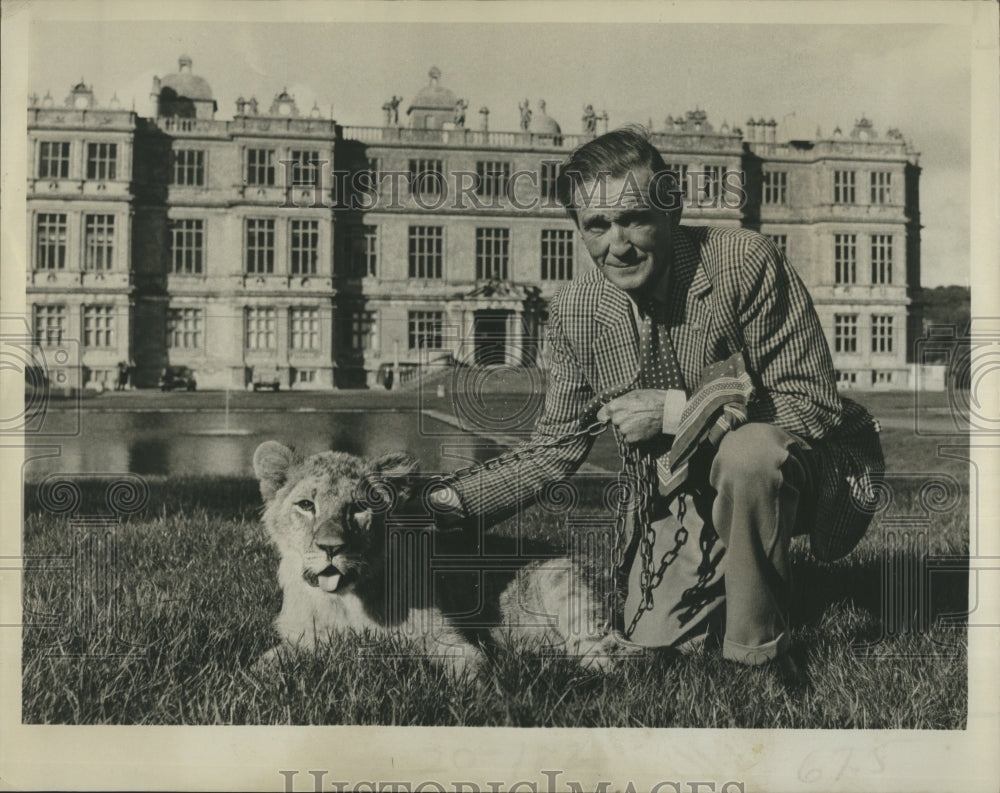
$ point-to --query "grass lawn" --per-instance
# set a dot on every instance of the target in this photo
(192, 591)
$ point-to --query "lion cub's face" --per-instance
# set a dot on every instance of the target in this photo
(326, 512)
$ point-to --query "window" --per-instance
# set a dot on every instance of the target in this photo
(426, 251)
(49, 324)
(260, 167)
(881, 182)
(102, 160)
(847, 378)
(881, 258)
(364, 251)
(843, 187)
(881, 378)
(187, 246)
(53, 159)
(425, 330)
(304, 324)
(845, 332)
(712, 184)
(492, 178)
(680, 172)
(426, 177)
(845, 258)
(98, 326)
(547, 180)
(305, 376)
(261, 328)
(780, 242)
(98, 242)
(305, 246)
(189, 167)
(881, 333)
(304, 166)
(371, 250)
(260, 245)
(492, 252)
(365, 180)
(557, 255)
(50, 241)
(184, 328)
(775, 187)
(360, 329)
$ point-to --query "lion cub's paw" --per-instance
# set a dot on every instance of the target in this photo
(608, 652)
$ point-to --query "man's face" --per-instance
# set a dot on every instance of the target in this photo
(628, 239)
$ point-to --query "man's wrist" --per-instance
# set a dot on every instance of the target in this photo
(674, 401)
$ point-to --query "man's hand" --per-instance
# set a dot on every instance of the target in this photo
(638, 415)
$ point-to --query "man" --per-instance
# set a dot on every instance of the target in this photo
(664, 302)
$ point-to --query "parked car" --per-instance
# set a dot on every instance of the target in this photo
(266, 377)
(177, 377)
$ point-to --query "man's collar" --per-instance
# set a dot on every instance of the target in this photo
(688, 271)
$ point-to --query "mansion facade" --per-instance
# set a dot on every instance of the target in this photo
(328, 256)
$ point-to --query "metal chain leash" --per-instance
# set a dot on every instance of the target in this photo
(640, 467)
(637, 484)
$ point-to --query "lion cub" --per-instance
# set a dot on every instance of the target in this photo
(345, 568)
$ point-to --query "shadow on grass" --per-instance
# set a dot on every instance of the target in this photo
(904, 592)
(231, 498)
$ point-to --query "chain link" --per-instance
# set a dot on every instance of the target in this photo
(639, 467)
(637, 487)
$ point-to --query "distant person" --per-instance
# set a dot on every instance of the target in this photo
(123, 372)
(787, 456)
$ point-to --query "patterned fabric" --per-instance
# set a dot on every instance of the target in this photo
(731, 292)
(658, 365)
(718, 406)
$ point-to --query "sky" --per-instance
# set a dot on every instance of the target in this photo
(914, 77)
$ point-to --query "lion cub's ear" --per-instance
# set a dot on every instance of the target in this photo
(397, 468)
(396, 464)
(271, 462)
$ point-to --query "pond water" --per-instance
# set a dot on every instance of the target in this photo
(208, 444)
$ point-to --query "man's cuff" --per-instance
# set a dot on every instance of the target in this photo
(673, 407)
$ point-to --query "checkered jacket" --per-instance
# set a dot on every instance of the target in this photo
(731, 290)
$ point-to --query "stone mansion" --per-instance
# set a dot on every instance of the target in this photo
(281, 241)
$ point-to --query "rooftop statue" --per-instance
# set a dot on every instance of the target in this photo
(391, 109)
(460, 107)
(525, 109)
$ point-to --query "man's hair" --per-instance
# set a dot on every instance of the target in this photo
(612, 156)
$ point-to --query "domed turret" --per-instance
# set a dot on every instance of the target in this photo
(184, 93)
(434, 105)
(542, 123)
